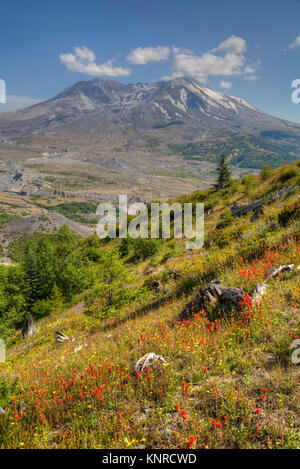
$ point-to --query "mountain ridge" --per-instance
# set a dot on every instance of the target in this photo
(163, 138)
(175, 101)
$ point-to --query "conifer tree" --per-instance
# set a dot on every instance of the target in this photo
(32, 272)
(224, 175)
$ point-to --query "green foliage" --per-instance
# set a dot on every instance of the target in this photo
(210, 204)
(41, 308)
(248, 181)
(52, 269)
(253, 151)
(224, 176)
(152, 142)
(14, 292)
(144, 248)
(289, 213)
(140, 248)
(75, 210)
(90, 249)
(227, 219)
(113, 285)
(125, 246)
(5, 393)
(51, 261)
(266, 172)
(6, 217)
(55, 267)
(234, 187)
(287, 174)
(198, 197)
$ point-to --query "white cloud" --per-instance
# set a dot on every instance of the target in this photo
(296, 43)
(17, 102)
(208, 64)
(83, 61)
(251, 77)
(178, 50)
(171, 77)
(2, 91)
(83, 53)
(226, 84)
(143, 55)
(234, 45)
(227, 59)
(249, 69)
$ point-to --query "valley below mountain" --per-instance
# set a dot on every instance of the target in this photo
(158, 140)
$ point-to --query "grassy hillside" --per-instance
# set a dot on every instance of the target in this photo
(228, 381)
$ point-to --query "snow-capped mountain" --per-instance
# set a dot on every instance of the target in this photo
(141, 105)
(182, 108)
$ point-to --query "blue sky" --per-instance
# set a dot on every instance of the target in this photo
(244, 48)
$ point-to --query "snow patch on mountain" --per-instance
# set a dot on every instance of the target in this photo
(162, 110)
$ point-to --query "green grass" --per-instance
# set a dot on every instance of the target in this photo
(74, 210)
(5, 217)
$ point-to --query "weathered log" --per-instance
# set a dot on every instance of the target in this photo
(156, 286)
(147, 361)
(259, 290)
(176, 273)
(237, 211)
(60, 336)
(256, 215)
(213, 293)
(279, 269)
(29, 327)
(155, 269)
(80, 347)
(150, 271)
(285, 190)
